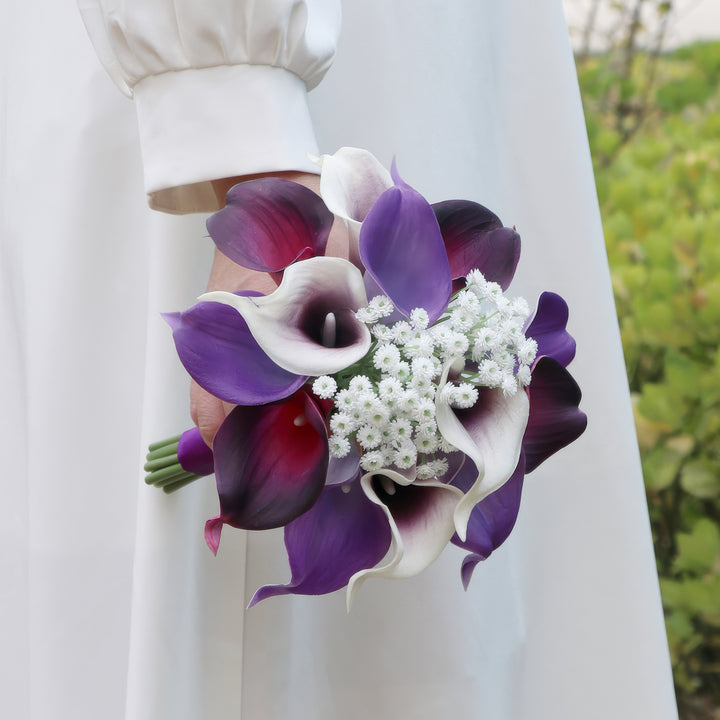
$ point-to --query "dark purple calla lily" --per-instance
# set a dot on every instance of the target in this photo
(342, 534)
(270, 223)
(476, 239)
(555, 418)
(402, 249)
(219, 352)
(548, 329)
(270, 464)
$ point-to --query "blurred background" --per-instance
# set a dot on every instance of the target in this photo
(649, 74)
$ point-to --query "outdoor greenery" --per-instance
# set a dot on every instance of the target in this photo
(654, 129)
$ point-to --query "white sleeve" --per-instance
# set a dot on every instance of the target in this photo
(220, 86)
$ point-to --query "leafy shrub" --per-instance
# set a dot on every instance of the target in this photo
(659, 192)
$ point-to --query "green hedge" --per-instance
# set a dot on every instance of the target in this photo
(659, 192)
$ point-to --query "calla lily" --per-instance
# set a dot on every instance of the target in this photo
(270, 223)
(490, 433)
(340, 535)
(219, 352)
(420, 517)
(554, 421)
(476, 239)
(351, 181)
(400, 242)
(270, 465)
(308, 326)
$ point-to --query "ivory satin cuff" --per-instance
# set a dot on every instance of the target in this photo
(199, 125)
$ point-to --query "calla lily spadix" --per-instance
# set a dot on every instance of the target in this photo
(386, 406)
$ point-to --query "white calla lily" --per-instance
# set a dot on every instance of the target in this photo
(351, 181)
(418, 537)
(308, 325)
(490, 434)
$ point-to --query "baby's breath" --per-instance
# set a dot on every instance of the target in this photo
(385, 405)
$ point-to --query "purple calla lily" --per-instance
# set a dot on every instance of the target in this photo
(217, 349)
(400, 241)
(342, 534)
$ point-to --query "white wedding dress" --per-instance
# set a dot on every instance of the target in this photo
(112, 606)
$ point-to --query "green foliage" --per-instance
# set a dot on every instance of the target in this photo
(659, 191)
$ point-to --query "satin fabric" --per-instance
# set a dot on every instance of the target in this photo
(112, 606)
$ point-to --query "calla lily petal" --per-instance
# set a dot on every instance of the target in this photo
(351, 181)
(291, 324)
(547, 328)
(269, 223)
(344, 470)
(421, 520)
(402, 248)
(475, 238)
(340, 535)
(217, 349)
(270, 463)
(491, 521)
(490, 433)
(555, 418)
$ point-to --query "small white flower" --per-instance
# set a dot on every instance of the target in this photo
(324, 387)
(439, 467)
(464, 396)
(386, 358)
(400, 429)
(527, 351)
(489, 373)
(523, 375)
(372, 461)
(402, 371)
(422, 346)
(390, 388)
(425, 472)
(462, 319)
(426, 445)
(342, 423)
(419, 319)
(382, 305)
(405, 455)
(360, 384)
(509, 385)
(402, 332)
(367, 315)
(344, 400)
(339, 446)
(382, 332)
(369, 437)
(425, 411)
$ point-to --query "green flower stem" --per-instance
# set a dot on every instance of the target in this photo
(163, 469)
(164, 443)
(165, 451)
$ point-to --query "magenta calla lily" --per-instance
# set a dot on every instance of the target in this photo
(387, 405)
(280, 452)
(278, 222)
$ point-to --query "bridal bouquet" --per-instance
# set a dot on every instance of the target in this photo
(385, 406)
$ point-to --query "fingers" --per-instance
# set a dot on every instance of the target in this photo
(207, 412)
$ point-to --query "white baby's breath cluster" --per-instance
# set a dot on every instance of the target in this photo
(386, 403)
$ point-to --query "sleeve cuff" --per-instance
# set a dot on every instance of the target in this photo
(200, 125)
